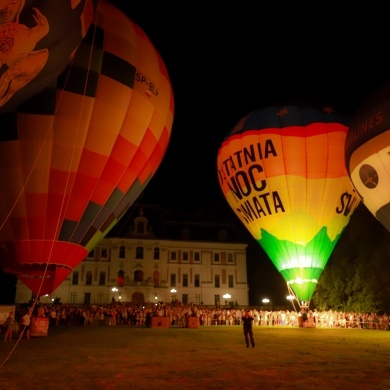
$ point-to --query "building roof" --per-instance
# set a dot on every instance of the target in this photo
(198, 225)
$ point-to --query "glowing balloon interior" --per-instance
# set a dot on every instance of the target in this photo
(282, 171)
(367, 154)
(76, 156)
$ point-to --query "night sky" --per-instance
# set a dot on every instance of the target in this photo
(226, 61)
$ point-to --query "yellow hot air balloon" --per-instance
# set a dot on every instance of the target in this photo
(282, 171)
(75, 157)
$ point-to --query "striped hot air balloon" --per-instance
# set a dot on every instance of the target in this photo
(282, 171)
(76, 156)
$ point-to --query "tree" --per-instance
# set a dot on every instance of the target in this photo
(356, 278)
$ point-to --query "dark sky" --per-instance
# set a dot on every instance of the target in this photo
(226, 61)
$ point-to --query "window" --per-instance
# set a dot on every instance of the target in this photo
(222, 234)
(91, 254)
(185, 280)
(230, 257)
(197, 280)
(173, 280)
(184, 299)
(156, 278)
(141, 227)
(173, 255)
(156, 253)
(185, 256)
(75, 277)
(216, 300)
(139, 252)
(101, 298)
(88, 278)
(217, 281)
(138, 276)
(73, 298)
(216, 257)
(196, 256)
(185, 234)
(87, 298)
(231, 283)
(104, 253)
(102, 278)
(122, 252)
(121, 278)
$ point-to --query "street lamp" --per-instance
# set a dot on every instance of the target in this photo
(265, 301)
(226, 297)
(173, 291)
(114, 290)
(291, 299)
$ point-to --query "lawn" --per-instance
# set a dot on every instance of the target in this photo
(214, 357)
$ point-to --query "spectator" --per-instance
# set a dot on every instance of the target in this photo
(247, 322)
(10, 325)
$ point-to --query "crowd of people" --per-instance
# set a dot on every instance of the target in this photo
(130, 314)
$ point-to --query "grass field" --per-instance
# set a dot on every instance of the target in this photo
(123, 357)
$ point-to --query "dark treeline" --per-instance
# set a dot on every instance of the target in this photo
(357, 276)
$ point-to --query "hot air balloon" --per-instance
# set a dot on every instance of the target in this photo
(38, 39)
(75, 157)
(282, 171)
(367, 153)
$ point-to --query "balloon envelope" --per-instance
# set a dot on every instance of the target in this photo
(76, 156)
(38, 39)
(282, 171)
(367, 154)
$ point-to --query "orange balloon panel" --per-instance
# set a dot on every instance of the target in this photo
(75, 157)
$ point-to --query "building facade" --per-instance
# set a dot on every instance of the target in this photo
(179, 259)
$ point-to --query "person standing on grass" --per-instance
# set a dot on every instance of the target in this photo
(25, 322)
(247, 323)
(9, 326)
